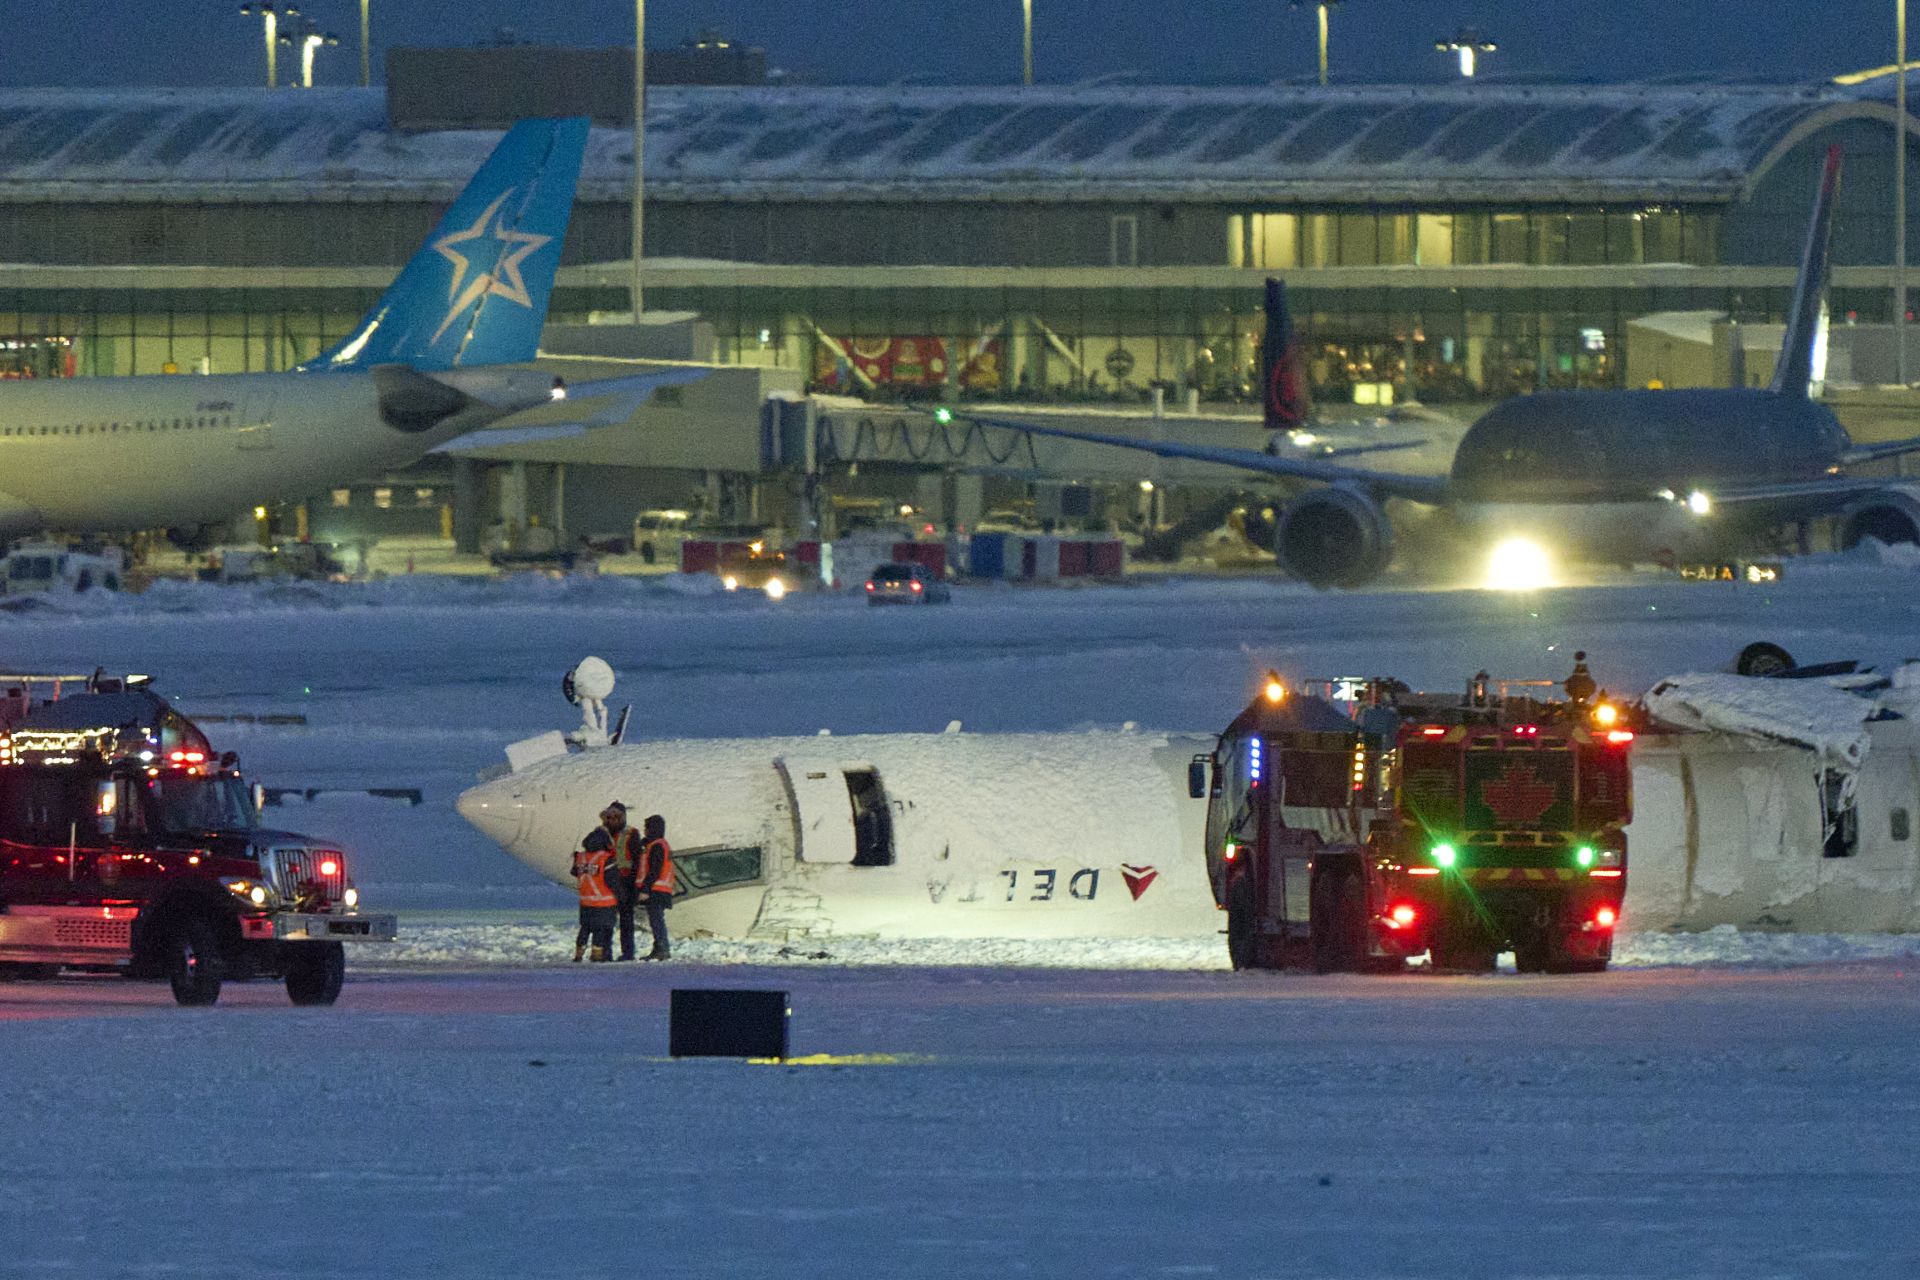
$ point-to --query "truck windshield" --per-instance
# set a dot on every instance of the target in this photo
(199, 804)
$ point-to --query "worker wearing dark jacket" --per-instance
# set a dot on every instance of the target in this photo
(614, 835)
(656, 884)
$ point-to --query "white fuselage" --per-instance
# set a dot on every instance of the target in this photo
(104, 454)
(1008, 836)
(1049, 835)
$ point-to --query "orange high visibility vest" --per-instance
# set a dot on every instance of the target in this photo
(591, 868)
(663, 882)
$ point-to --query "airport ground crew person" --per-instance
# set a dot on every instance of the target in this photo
(656, 884)
(590, 867)
(615, 835)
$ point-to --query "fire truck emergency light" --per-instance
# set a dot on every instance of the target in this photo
(1276, 689)
(1584, 855)
(1445, 854)
(1606, 715)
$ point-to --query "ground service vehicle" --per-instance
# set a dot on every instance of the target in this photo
(906, 584)
(127, 846)
(52, 566)
(1354, 824)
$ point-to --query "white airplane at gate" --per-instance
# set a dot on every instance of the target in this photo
(433, 361)
(889, 835)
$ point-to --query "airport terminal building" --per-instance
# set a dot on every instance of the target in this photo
(1480, 237)
(1451, 242)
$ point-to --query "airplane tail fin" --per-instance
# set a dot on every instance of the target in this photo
(477, 291)
(1803, 355)
(1283, 373)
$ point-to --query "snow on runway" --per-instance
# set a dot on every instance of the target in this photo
(1720, 1105)
(979, 1122)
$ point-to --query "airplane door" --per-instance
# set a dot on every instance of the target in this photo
(822, 809)
(256, 420)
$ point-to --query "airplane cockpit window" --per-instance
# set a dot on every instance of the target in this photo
(872, 822)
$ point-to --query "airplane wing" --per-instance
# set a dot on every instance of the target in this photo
(1415, 488)
(621, 396)
(1809, 494)
(1874, 452)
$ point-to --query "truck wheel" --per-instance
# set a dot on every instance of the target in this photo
(1241, 944)
(193, 963)
(1339, 925)
(1532, 954)
(1562, 959)
(315, 972)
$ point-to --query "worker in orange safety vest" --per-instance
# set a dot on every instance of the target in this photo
(656, 885)
(597, 903)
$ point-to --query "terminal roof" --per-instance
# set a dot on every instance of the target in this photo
(1479, 142)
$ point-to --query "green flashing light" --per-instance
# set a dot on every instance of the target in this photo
(1584, 855)
(1445, 854)
(943, 415)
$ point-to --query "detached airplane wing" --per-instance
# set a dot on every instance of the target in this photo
(621, 396)
(1414, 488)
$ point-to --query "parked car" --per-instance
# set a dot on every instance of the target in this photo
(898, 583)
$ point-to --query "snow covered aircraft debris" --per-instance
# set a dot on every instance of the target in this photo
(1737, 820)
(1044, 835)
(1595, 475)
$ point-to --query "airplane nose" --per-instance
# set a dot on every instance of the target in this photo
(496, 810)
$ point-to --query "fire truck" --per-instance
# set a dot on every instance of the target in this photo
(1353, 825)
(127, 846)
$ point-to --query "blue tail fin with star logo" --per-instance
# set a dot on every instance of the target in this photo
(477, 291)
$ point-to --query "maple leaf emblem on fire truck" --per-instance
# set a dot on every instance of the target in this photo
(1518, 797)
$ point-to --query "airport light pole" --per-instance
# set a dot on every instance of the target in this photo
(1900, 192)
(1320, 7)
(310, 43)
(1026, 42)
(366, 46)
(1469, 44)
(639, 147)
(270, 16)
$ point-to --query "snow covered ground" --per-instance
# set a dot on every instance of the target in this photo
(1720, 1105)
(1744, 1122)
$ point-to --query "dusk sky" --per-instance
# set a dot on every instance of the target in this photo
(120, 42)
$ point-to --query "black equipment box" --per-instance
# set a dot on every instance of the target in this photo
(710, 1023)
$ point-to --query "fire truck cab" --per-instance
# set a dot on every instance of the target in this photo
(127, 846)
(1355, 824)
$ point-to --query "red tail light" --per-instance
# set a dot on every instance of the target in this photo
(1434, 731)
(329, 868)
(1605, 917)
(1619, 737)
(869, 586)
(916, 586)
(1402, 915)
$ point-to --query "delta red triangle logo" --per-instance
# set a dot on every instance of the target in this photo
(1138, 879)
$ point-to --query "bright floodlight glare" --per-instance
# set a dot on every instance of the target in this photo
(1519, 564)
(776, 589)
(1699, 503)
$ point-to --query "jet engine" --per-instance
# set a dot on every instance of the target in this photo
(1335, 537)
(1886, 515)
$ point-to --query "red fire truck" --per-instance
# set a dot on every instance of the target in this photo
(127, 846)
(1355, 824)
